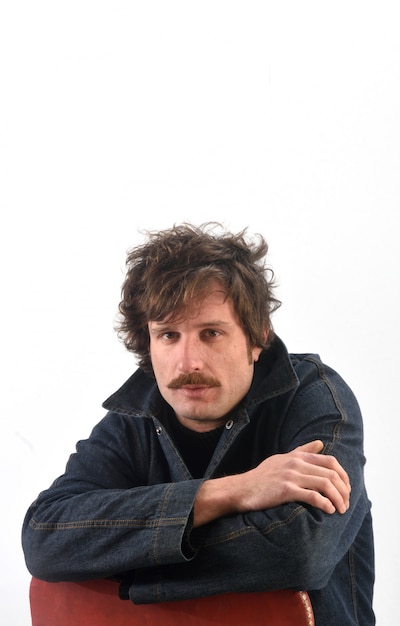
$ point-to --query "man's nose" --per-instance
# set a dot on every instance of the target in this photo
(190, 357)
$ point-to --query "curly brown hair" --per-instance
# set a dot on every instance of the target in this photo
(175, 264)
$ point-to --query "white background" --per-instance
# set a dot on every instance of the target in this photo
(121, 115)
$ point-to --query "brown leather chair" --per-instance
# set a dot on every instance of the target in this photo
(96, 603)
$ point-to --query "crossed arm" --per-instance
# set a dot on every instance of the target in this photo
(302, 475)
(94, 510)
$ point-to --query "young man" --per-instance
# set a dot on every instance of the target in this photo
(223, 464)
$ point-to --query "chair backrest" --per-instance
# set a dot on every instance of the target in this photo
(96, 603)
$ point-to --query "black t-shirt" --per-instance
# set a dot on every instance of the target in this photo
(195, 448)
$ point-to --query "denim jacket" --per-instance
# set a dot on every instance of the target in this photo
(124, 505)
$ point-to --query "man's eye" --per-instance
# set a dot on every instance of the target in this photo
(212, 333)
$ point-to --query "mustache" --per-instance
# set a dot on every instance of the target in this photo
(193, 379)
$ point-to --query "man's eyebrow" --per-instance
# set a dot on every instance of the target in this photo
(157, 326)
(216, 323)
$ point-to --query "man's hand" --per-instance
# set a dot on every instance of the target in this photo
(302, 475)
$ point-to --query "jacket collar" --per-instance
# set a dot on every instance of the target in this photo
(273, 376)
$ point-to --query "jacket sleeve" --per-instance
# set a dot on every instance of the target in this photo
(102, 517)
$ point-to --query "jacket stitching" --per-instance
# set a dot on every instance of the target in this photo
(106, 523)
(299, 510)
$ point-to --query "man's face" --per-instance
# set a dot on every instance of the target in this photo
(202, 361)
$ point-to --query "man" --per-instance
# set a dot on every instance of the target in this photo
(223, 464)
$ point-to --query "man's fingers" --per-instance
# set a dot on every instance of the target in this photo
(330, 463)
(330, 489)
(324, 476)
(311, 447)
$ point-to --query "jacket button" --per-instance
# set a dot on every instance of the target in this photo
(158, 430)
(229, 424)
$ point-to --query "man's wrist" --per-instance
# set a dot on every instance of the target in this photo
(216, 498)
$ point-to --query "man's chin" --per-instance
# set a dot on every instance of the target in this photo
(200, 423)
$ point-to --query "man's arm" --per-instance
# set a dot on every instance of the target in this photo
(113, 510)
(301, 475)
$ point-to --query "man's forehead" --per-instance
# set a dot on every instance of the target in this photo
(214, 299)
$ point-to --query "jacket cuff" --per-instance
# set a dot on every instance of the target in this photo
(172, 542)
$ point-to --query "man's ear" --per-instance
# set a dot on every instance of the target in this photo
(256, 350)
(265, 335)
(255, 353)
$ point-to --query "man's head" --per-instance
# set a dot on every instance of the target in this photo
(176, 265)
(196, 310)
